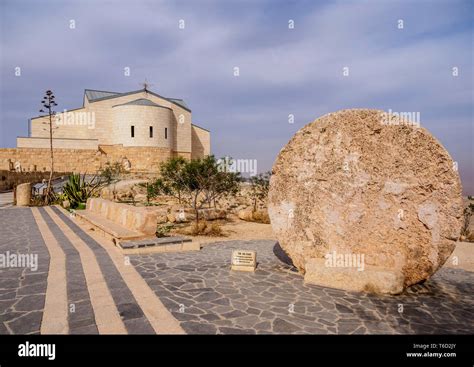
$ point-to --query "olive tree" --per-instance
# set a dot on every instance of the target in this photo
(259, 186)
(196, 182)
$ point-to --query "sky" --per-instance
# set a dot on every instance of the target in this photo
(400, 55)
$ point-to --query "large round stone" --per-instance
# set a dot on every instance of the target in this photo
(363, 200)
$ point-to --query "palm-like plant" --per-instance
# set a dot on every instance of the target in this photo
(78, 190)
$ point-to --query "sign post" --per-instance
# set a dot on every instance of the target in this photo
(244, 260)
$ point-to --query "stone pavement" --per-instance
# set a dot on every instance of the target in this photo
(6, 199)
(202, 292)
(22, 291)
(82, 284)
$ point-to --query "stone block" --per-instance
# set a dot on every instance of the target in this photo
(23, 194)
(371, 279)
(366, 183)
(137, 219)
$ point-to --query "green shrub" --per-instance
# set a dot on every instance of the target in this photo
(259, 186)
(111, 172)
(153, 189)
(197, 182)
(163, 230)
(77, 190)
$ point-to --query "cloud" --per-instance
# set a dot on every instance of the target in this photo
(282, 71)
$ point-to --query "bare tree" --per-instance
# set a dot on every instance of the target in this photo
(48, 103)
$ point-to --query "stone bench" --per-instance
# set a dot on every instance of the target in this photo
(120, 221)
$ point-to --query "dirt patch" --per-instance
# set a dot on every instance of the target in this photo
(234, 228)
(462, 257)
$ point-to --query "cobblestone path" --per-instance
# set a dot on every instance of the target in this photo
(77, 282)
(82, 285)
(201, 291)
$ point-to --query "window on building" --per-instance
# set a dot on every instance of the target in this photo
(166, 133)
(132, 132)
(151, 131)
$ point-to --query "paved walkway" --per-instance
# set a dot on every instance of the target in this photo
(79, 283)
(207, 297)
(82, 284)
(6, 199)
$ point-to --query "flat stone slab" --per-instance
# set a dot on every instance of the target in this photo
(158, 241)
(22, 290)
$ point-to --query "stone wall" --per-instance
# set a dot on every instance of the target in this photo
(201, 142)
(142, 118)
(40, 126)
(103, 117)
(9, 179)
(59, 143)
(142, 159)
(38, 159)
(186, 155)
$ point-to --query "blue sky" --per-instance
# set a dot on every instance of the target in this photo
(282, 71)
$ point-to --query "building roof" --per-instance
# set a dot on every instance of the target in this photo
(179, 102)
(141, 102)
(99, 95)
(92, 94)
(199, 127)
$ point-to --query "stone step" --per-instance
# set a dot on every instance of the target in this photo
(158, 241)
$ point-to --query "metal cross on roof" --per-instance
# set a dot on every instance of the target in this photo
(146, 85)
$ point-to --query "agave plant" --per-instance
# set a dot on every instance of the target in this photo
(78, 190)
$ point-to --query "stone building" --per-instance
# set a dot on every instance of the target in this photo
(140, 128)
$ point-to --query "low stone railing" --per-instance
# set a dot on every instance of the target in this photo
(137, 219)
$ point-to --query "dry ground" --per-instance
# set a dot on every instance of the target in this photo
(463, 255)
(237, 229)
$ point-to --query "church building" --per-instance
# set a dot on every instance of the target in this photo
(139, 118)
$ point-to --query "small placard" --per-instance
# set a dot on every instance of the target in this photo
(244, 260)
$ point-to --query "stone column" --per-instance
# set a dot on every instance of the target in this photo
(23, 194)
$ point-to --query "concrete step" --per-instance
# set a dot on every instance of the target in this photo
(158, 241)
